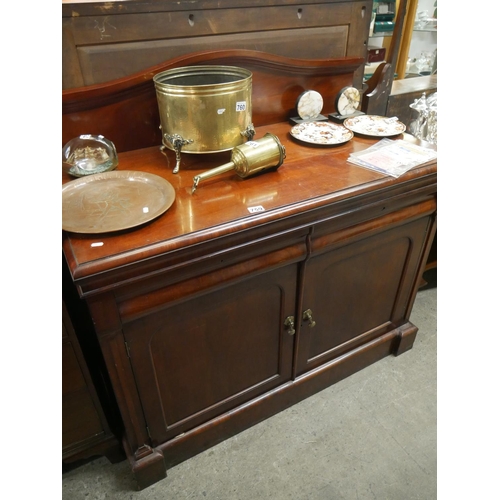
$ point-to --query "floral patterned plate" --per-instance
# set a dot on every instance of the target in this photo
(375, 126)
(322, 133)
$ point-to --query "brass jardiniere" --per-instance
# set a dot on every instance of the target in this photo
(204, 109)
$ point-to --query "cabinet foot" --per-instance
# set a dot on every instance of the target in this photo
(149, 469)
(406, 336)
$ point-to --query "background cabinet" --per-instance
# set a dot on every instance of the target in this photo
(85, 428)
(103, 41)
(423, 37)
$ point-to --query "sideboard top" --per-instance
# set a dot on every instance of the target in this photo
(310, 178)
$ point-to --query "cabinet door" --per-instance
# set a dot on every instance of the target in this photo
(358, 291)
(199, 358)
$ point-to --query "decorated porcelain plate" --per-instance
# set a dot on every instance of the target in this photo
(115, 200)
(375, 126)
(322, 133)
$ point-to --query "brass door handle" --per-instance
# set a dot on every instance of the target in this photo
(307, 316)
(290, 325)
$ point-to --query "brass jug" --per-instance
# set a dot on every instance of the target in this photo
(249, 159)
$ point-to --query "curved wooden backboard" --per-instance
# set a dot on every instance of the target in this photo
(126, 110)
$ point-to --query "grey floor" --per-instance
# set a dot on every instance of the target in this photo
(371, 436)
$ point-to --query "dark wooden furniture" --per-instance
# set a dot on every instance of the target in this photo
(103, 41)
(404, 92)
(85, 428)
(214, 316)
(378, 86)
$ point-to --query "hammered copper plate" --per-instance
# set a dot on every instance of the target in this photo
(112, 201)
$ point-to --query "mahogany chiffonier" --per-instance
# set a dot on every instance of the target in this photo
(247, 295)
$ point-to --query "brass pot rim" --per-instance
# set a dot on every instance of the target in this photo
(163, 79)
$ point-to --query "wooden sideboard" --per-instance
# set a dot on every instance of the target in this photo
(103, 41)
(250, 295)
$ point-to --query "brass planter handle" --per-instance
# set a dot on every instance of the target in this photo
(177, 143)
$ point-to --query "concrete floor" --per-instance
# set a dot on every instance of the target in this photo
(371, 436)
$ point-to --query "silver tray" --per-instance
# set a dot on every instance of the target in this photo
(375, 126)
(321, 133)
(112, 201)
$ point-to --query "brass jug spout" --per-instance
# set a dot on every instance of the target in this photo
(211, 173)
(248, 159)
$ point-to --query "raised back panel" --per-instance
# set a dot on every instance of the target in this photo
(126, 110)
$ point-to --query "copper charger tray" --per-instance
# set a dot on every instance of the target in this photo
(113, 201)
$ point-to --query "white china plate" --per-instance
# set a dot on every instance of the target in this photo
(375, 126)
(322, 133)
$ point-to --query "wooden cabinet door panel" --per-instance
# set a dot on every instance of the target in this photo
(351, 306)
(80, 420)
(197, 359)
(72, 376)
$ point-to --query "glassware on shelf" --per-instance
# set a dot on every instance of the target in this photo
(89, 154)
(410, 66)
(432, 119)
(424, 21)
(424, 63)
(421, 19)
(423, 124)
